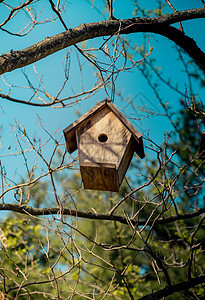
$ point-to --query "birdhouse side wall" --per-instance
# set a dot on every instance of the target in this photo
(126, 159)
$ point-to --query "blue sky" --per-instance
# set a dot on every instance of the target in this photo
(130, 83)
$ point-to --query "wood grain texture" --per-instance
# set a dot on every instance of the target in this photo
(125, 161)
(92, 117)
(160, 25)
(92, 151)
(127, 124)
(138, 143)
(99, 176)
(69, 132)
(103, 162)
(96, 158)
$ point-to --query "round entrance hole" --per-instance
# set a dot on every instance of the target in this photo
(102, 138)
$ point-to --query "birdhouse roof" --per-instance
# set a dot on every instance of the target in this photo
(70, 136)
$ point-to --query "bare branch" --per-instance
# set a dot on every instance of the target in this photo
(16, 9)
(175, 10)
(203, 2)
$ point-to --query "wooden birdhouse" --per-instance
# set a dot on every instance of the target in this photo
(106, 142)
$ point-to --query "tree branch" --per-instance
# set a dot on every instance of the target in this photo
(186, 43)
(95, 216)
(175, 288)
(160, 25)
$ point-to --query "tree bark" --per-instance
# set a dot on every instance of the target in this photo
(175, 288)
(96, 216)
(159, 25)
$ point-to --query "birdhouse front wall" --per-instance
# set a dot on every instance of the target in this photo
(105, 151)
(105, 142)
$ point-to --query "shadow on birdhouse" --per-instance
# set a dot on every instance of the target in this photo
(106, 142)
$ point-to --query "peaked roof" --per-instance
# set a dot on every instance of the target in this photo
(70, 136)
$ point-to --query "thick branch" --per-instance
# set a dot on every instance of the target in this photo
(175, 288)
(96, 216)
(160, 25)
(186, 43)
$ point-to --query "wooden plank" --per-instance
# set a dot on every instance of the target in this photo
(127, 124)
(138, 147)
(126, 159)
(98, 165)
(89, 122)
(99, 177)
(97, 159)
(90, 118)
(90, 149)
(69, 132)
(70, 141)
